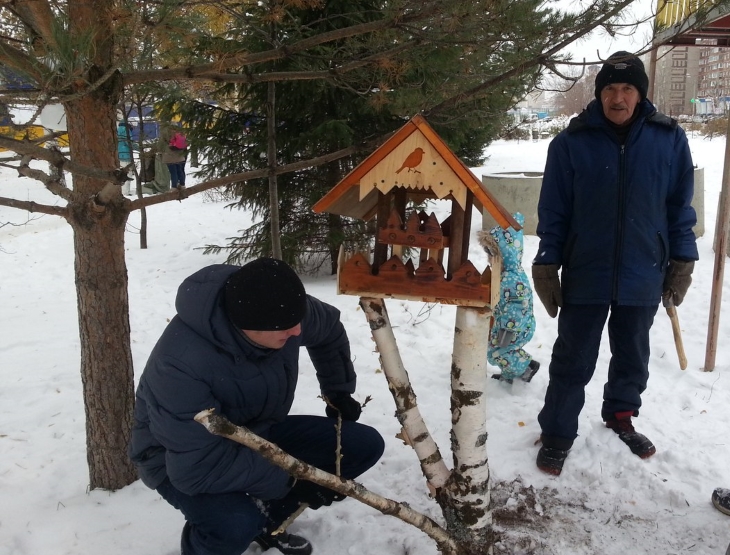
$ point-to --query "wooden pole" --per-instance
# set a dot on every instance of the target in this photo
(677, 333)
(652, 72)
(721, 232)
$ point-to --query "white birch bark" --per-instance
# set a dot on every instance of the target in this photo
(219, 425)
(469, 487)
(408, 413)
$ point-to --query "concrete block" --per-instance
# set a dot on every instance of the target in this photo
(520, 192)
(517, 192)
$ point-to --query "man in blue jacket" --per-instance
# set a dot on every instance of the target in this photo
(615, 217)
(234, 347)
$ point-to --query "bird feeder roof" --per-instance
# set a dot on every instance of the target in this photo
(417, 159)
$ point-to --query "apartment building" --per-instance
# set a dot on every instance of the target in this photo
(713, 87)
(676, 79)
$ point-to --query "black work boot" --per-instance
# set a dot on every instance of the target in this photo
(288, 544)
(638, 443)
(501, 378)
(721, 500)
(530, 371)
(552, 454)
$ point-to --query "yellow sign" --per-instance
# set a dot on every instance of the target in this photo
(30, 133)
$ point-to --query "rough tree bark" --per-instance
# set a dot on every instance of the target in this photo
(98, 216)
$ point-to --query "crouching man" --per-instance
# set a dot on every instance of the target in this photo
(234, 347)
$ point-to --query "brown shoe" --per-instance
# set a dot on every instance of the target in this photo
(638, 443)
(551, 460)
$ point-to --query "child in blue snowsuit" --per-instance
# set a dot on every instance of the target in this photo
(514, 321)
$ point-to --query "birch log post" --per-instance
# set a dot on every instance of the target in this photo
(467, 511)
(408, 413)
(219, 425)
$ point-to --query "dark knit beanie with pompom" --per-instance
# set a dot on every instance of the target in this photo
(623, 67)
(265, 295)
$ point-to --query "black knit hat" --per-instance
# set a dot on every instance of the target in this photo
(265, 295)
(623, 67)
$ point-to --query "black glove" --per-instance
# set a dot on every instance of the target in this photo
(547, 286)
(677, 280)
(344, 404)
(314, 495)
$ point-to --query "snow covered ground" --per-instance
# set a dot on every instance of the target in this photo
(606, 501)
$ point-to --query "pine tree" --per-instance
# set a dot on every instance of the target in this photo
(458, 63)
(314, 117)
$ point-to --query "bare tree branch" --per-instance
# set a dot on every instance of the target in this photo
(181, 194)
(536, 61)
(31, 206)
(56, 158)
(53, 184)
(37, 15)
(20, 61)
(219, 425)
(331, 73)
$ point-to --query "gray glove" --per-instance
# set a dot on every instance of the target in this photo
(677, 280)
(547, 286)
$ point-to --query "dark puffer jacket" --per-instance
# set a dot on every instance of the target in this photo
(612, 216)
(201, 361)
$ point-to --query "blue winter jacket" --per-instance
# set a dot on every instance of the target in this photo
(612, 216)
(202, 361)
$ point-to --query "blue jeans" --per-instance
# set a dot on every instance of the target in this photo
(226, 523)
(574, 360)
(177, 174)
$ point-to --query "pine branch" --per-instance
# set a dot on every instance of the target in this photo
(536, 61)
(239, 60)
(308, 75)
(37, 15)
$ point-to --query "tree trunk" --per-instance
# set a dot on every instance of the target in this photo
(466, 505)
(464, 493)
(273, 192)
(98, 221)
(106, 359)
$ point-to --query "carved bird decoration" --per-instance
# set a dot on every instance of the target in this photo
(412, 160)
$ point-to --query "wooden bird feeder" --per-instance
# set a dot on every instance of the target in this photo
(413, 166)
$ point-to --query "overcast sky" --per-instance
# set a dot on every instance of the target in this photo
(599, 45)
